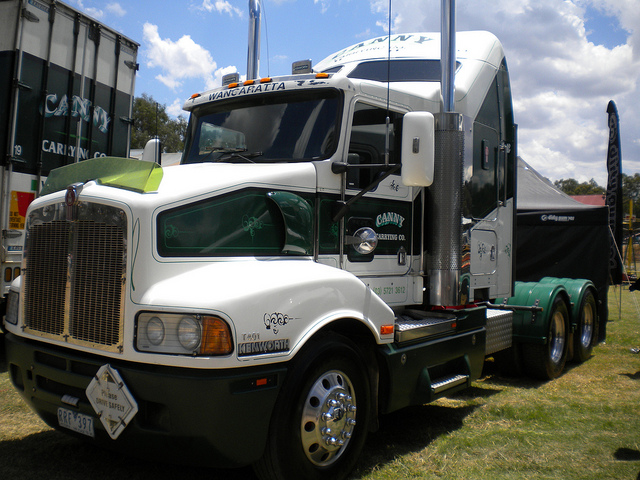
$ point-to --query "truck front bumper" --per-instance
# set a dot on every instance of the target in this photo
(205, 416)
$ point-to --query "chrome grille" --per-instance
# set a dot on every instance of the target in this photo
(75, 274)
(47, 277)
(97, 283)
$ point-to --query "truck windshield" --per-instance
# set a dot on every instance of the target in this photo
(265, 128)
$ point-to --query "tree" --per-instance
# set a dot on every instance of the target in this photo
(571, 186)
(631, 191)
(150, 119)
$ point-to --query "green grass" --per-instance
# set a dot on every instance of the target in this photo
(583, 425)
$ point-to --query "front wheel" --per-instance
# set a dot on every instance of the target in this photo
(321, 419)
(547, 361)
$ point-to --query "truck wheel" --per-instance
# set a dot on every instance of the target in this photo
(546, 362)
(587, 326)
(321, 418)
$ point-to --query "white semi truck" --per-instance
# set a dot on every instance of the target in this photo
(67, 85)
(335, 245)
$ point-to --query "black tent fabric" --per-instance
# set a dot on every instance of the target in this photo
(560, 237)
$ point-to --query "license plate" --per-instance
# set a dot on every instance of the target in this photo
(75, 421)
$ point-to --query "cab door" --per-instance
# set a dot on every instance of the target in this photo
(378, 230)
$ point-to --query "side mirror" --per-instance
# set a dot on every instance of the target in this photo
(418, 150)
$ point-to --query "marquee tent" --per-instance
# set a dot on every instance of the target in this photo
(560, 237)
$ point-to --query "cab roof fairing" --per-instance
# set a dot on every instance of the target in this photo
(479, 53)
(478, 45)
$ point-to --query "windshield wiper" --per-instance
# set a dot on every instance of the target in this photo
(222, 151)
(238, 153)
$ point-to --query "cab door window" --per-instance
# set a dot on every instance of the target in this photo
(368, 142)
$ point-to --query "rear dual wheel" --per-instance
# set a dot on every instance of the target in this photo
(547, 361)
(321, 419)
(584, 337)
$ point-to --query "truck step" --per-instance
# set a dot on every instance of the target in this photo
(441, 384)
(417, 325)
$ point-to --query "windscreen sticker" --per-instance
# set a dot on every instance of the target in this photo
(259, 88)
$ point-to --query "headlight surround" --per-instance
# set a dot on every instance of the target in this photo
(13, 302)
(183, 334)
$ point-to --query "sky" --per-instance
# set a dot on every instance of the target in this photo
(567, 59)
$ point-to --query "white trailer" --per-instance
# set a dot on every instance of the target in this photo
(67, 83)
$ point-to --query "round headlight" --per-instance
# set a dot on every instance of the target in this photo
(189, 333)
(155, 331)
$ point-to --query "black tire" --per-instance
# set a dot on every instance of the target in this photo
(547, 361)
(327, 387)
(585, 336)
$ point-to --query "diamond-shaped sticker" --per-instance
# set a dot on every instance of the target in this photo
(111, 400)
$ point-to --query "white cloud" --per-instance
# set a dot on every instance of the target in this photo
(91, 11)
(216, 81)
(175, 108)
(116, 9)
(221, 6)
(178, 60)
(324, 5)
(561, 82)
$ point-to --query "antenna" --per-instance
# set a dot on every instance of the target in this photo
(266, 36)
(387, 120)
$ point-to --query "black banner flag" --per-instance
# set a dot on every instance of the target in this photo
(614, 193)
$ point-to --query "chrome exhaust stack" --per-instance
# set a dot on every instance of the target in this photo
(253, 53)
(445, 194)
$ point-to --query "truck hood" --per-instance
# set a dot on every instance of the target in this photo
(180, 182)
(206, 178)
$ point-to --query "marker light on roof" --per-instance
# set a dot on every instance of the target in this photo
(249, 82)
(265, 80)
(322, 75)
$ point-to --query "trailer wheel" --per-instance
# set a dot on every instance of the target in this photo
(547, 361)
(321, 419)
(587, 326)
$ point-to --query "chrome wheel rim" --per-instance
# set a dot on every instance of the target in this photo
(557, 340)
(587, 325)
(328, 418)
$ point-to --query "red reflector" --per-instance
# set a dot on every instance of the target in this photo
(261, 381)
(386, 330)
